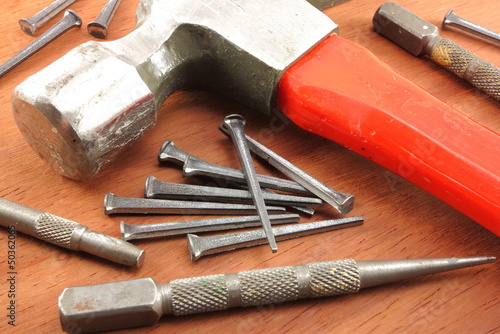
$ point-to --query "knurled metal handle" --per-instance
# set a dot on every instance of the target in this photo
(54, 229)
(263, 286)
(468, 66)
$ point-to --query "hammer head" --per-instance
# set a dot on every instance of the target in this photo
(78, 112)
(110, 306)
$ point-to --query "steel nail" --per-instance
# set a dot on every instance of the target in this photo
(234, 124)
(99, 27)
(201, 246)
(70, 20)
(114, 204)
(299, 208)
(194, 166)
(453, 20)
(30, 25)
(155, 188)
(171, 153)
(340, 201)
(146, 231)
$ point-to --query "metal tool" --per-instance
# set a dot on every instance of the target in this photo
(343, 203)
(115, 204)
(68, 234)
(234, 125)
(420, 37)
(99, 27)
(165, 190)
(109, 111)
(30, 25)
(70, 20)
(142, 302)
(195, 166)
(201, 246)
(146, 231)
(268, 55)
(453, 20)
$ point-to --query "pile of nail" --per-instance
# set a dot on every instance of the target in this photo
(246, 187)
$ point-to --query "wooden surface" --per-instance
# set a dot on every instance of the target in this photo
(401, 221)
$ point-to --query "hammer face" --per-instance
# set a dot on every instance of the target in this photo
(77, 112)
(100, 96)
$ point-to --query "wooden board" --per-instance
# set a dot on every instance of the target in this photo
(401, 221)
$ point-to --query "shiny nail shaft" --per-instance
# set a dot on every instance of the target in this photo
(155, 188)
(340, 201)
(30, 25)
(70, 20)
(124, 205)
(201, 246)
(146, 231)
(234, 124)
(195, 166)
(453, 20)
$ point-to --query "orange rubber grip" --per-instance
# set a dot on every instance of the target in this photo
(342, 92)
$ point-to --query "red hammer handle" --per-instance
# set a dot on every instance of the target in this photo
(342, 92)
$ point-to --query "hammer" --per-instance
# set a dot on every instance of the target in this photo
(81, 110)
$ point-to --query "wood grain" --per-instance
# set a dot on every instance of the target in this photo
(401, 221)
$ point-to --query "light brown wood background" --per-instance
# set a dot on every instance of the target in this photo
(401, 221)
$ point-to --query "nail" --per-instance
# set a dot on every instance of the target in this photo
(301, 209)
(115, 204)
(194, 166)
(146, 231)
(201, 246)
(70, 20)
(99, 27)
(234, 124)
(171, 153)
(30, 25)
(155, 188)
(453, 20)
(340, 201)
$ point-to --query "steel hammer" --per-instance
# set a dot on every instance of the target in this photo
(81, 110)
